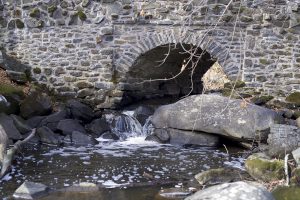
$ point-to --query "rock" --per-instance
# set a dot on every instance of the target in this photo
(110, 136)
(19, 77)
(294, 98)
(173, 193)
(162, 135)
(8, 125)
(80, 111)
(233, 191)
(35, 121)
(283, 139)
(153, 138)
(9, 104)
(97, 127)
(286, 192)
(4, 141)
(31, 190)
(80, 138)
(142, 113)
(20, 124)
(261, 167)
(46, 135)
(296, 155)
(181, 137)
(298, 122)
(219, 176)
(51, 121)
(218, 115)
(67, 126)
(35, 104)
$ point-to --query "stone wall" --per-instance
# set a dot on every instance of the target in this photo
(86, 48)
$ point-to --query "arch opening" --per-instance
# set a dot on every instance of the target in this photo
(169, 71)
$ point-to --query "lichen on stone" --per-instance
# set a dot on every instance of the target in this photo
(294, 97)
(19, 24)
(35, 13)
(37, 70)
(82, 16)
(52, 9)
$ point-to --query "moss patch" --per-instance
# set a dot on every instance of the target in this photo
(294, 97)
(19, 24)
(82, 16)
(263, 169)
(237, 84)
(37, 70)
(35, 13)
(52, 9)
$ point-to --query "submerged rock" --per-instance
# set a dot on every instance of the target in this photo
(31, 190)
(233, 191)
(283, 139)
(261, 167)
(110, 136)
(216, 114)
(218, 176)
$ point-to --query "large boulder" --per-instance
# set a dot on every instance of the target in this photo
(31, 190)
(8, 125)
(67, 126)
(219, 115)
(283, 139)
(80, 111)
(97, 127)
(35, 104)
(233, 191)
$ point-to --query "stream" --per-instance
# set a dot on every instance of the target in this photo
(130, 168)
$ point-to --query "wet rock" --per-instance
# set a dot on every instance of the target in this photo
(80, 138)
(80, 111)
(47, 136)
(173, 193)
(233, 191)
(142, 113)
(8, 125)
(31, 190)
(153, 138)
(20, 124)
(67, 126)
(35, 121)
(7, 106)
(35, 104)
(97, 127)
(51, 121)
(218, 115)
(261, 167)
(219, 176)
(286, 192)
(110, 136)
(298, 122)
(181, 137)
(162, 135)
(283, 139)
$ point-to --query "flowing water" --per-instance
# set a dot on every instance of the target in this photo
(130, 168)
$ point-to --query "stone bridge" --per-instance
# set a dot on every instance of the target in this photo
(106, 52)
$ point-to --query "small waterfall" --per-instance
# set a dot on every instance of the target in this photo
(126, 126)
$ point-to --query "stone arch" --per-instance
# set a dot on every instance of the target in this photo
(143, 44)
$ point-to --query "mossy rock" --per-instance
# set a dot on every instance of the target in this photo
(52, 9)
(6, 89)
(286, 193)
(294, 97)
(35, 13)
(295, 178)
(261, 100)
(82, 16)
(19, 24)
(237, 84)
(297, 114)
(37, 70)
(262, 168)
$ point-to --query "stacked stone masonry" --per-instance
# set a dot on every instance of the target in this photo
(85, 48)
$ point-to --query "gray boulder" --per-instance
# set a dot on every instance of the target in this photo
(283, 139)
(51, 121)
(31, 190)
(233, 191)
(142, 113)
(79, 138)
(35, 104)
(47, 136)
(97, 127)
(20, 124)
(80, 111)
(8, 125)
(218, 115)
(67, 126)
(35, 121)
